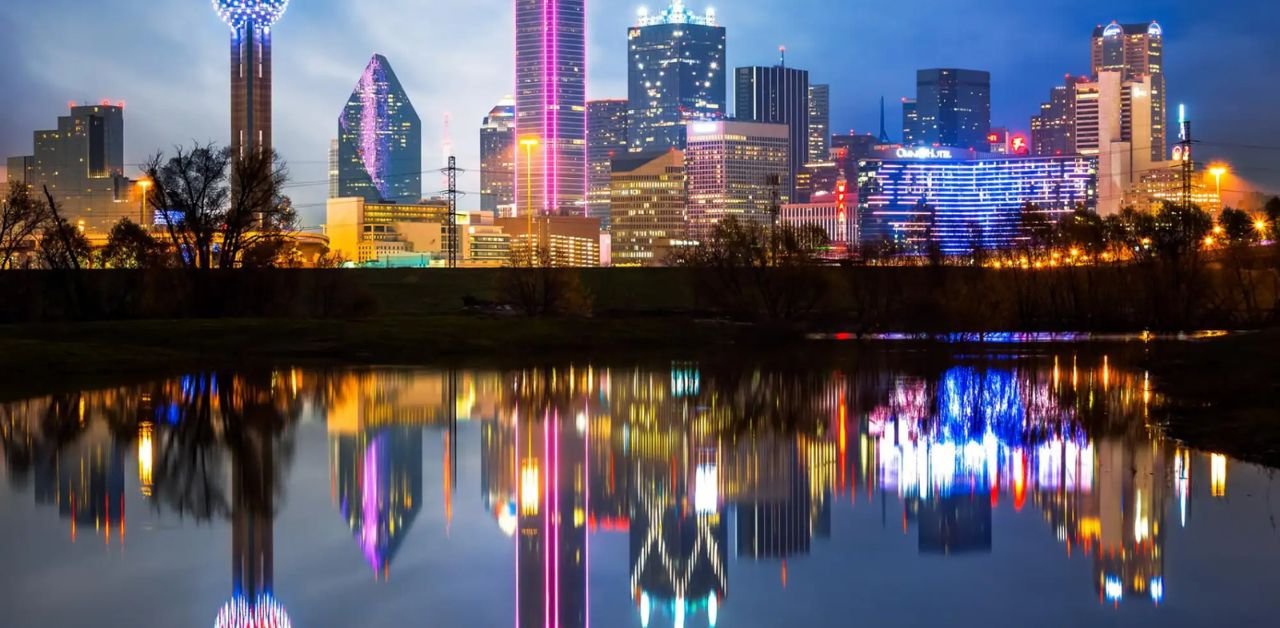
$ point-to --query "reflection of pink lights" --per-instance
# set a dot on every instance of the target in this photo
(369, 499)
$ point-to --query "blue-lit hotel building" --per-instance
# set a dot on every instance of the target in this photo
(962, 199)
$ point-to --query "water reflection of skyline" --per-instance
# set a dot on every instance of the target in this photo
(698, 469)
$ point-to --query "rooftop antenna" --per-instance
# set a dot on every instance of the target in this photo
(782, 56)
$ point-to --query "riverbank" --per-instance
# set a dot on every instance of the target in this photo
(1224, 393)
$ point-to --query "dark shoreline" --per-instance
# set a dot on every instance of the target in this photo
(1224, 391)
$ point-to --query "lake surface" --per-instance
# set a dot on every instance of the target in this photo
(1031, 490)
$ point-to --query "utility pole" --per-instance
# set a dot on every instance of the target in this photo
(1188, 165)
(451, 225)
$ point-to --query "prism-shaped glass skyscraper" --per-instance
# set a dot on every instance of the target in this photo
(675, 74)
(380, 140)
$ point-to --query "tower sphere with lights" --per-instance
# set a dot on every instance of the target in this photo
(250, 22)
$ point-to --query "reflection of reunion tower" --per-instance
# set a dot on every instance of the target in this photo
(253, 604)
(551, 549)
(250, 22)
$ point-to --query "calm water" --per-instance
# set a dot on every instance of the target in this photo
(1001, 492)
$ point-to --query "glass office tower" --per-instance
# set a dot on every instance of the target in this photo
(380, 140)
(675, 74)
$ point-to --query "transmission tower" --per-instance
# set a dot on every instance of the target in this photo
(1188, 164)
(451, 226)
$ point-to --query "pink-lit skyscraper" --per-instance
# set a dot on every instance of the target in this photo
(551, 88)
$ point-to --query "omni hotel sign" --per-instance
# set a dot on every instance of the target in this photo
(924, 152)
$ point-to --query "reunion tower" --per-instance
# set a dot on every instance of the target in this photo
(250, 22)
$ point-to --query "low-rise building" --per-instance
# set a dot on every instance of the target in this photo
(572, 241)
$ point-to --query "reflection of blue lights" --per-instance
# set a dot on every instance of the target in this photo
(1157, 589)
(1113, 588)
(173, 413)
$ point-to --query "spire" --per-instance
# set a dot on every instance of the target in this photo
(884, 135)
(782, 56)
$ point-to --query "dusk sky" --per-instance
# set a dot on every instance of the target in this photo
(169, 62)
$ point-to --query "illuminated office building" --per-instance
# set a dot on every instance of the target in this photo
(1053, 130)
(834, 212)
(736, 169)
(606, 140)
(961, 200)
(569, 241)
(82, 164)
(675, 75)
(819, 123)
(910, 122)
(648, 207)
(380, 140)
(551, 107)
(1136, 51)
(777, 95)
(1113, 123)
(250, 22)
(361, 231)
(498, 157)
(952, 108)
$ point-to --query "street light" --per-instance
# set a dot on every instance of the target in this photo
(145, 184)
(529, 143)
(1217, 172)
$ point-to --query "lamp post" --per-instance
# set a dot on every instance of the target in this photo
(1217, 172)
(145, 184)
(529, 143)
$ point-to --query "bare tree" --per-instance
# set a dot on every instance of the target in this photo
(216, 207)
(22, 216)
(62, 245)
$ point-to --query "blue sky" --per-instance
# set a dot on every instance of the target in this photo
(168, 61)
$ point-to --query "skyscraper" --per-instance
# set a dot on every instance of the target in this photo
(1113, 122)
(250, 22)
(1136, 50)
(380, 140)
(82, 164)
(675, 73)
(954, 107)
(498, 157)
(777, 95)
(1053, 131)
(819, 123)
(551, 107)
(732, 167)
(333, 168)
(910, 122)
(648, 206)
(606, 139)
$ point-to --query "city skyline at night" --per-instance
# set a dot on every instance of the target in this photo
(308, 63)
